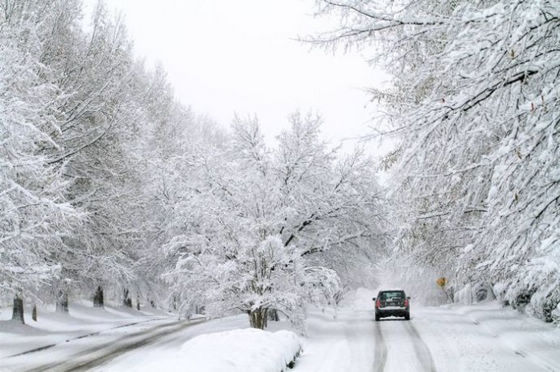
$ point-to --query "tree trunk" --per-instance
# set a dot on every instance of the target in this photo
(34, 313)
(17, 313)
(62, 302)
(273, 315)
(98, 297)
(127, 301)
(258, 318)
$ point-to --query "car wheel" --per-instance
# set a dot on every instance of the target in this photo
(407, 316)
(377, 317)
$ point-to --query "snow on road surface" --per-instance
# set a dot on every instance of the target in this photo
(68, 355)
(487, 337)
(449, 338)
(53, 328)
(484, 337)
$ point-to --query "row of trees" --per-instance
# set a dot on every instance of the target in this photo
(475, 105)
(84, 130)
(111, 188)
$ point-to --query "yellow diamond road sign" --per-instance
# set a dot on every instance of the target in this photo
(441, 282)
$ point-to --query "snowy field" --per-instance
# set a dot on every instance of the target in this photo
(483, 337)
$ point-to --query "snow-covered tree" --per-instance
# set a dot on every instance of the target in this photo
(79, 113)
(36, 216)
(253, 215)
(475, 103)
(171, 138)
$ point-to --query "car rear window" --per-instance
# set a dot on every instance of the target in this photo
(391, 294)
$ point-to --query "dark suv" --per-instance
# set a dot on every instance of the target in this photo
(392, 303)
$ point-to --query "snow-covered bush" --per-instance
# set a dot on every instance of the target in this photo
(537, 291)
(474, 293)
(556, 314)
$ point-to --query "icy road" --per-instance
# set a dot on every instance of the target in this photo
(450, 338)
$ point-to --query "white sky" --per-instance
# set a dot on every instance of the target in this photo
(225, 56)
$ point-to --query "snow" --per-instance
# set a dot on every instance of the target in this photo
(165, 353)
(340, 339)
(481, 337)
(217, 345)
(52, 328)
(243, 350)
(477, 337)
(526, 336)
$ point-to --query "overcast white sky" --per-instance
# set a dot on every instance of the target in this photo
(225, 56)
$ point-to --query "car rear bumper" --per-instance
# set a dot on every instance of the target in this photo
(392, 311)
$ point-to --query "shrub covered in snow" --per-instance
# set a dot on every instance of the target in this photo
(556, 315)
(474, 293)
(537, 291)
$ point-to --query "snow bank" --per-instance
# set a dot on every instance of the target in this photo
(239, 350)
(528, 337)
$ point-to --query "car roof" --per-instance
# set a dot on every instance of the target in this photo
(391, 290)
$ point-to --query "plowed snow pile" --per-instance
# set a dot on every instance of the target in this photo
(243, 350)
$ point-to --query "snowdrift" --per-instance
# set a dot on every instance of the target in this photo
(240, 350)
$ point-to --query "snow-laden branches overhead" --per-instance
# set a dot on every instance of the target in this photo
(475, 101)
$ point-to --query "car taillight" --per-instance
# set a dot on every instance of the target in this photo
(406, 302)
(378, 303)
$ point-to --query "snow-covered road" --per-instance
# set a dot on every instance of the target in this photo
(484, 337)
(351, 340)
(452, 338)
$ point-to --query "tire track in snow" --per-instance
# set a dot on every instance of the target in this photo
(380, 357)
(420, 348)
(91, 357)
(45, 347)
(89, 364)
